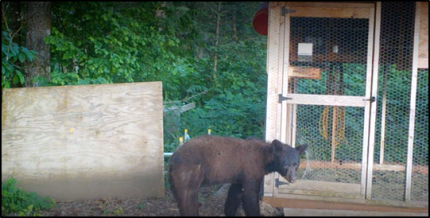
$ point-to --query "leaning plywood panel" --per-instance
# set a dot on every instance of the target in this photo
(83, 142)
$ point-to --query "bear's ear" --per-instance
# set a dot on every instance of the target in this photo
(277, 145)
(302, 148)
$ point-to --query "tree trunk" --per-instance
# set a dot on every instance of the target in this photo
(234, 25)
(38, 27)
(216, 40)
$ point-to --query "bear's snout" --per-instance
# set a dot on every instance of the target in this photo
(292, 180)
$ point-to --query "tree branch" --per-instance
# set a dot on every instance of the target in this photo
(186, 99)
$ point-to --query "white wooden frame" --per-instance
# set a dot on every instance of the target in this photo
(412, 103)
(278, 127)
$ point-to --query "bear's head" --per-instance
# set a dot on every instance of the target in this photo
(287, 159)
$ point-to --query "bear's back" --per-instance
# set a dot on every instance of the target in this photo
(222, 159)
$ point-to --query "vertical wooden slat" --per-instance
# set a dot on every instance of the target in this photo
(366, 162)
(294, 122)
(284, 38)
(383, 112)
(372, 129)
(284, 64)
(412, 103)
(290, 112)
(334, 121)
(273, 47)
(333, 136)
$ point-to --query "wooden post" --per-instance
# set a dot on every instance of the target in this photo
(375, 23)
(334, 124)
(273, 79)
(294, 123)
(412, 104)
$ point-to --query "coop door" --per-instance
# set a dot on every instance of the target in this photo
(326, 96)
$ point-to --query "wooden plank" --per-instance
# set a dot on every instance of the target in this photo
(272, 69)
(84, 142)
(331, 4)
(327, 12)
(423, 50)
(412, 105)
(188, 107)
(333, 133)
(357, 166)
(331, 100)
(304, 72)
(182, 108)
(285, 61)
(331, 57)
(367, 110)
(294, 123)
(321, 188)
(322, 212)
(372, 122)
(295, 201)
(273, 50)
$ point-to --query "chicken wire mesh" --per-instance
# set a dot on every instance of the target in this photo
(394, 91)
(335, 134)
(420, 179)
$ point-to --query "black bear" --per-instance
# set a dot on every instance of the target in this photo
(209, 160)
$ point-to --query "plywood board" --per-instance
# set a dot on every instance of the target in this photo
(83, 142)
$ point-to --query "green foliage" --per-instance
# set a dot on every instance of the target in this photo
(15, 200)
(111, 42)
(13, 54)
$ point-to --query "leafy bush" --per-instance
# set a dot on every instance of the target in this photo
(15, 200)
(11, 53)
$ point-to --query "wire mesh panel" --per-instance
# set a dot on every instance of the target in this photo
(420, 179)
(334, 53)
(391, 139)
(346, 167)
(335, 133)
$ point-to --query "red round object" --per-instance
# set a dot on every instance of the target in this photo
(260, 21)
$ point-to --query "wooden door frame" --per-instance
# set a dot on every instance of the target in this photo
(278, 65)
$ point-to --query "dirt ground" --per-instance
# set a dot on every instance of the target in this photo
(210, 206)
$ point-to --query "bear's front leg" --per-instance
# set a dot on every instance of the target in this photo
(234, 199)
(250, 200)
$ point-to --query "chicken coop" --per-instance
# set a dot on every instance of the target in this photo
(351, 81)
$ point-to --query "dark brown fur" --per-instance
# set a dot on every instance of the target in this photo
(210, 160)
